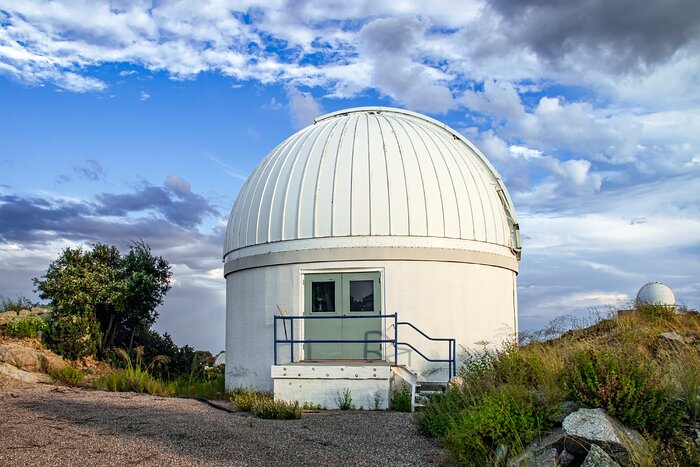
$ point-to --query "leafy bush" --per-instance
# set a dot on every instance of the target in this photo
(16, 305)
(344, 400)
(508, 416)
(27, 326)
(401, 400)
(73, 336)
(68, 375)
(626, 388)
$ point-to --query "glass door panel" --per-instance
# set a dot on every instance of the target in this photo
(322, 294)
(361, 297)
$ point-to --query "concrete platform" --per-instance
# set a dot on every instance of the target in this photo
(324, 382)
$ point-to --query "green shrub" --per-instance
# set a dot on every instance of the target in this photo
(627, 388)
(344, 400)
(439, 414)
(508, 416)
(276, 409)
(69, 375)
(401, 400)
(27, 326)
(73, 336)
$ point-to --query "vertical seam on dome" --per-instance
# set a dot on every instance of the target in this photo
(478, 195)
(352, 166)
(430, 132)
(422, 180)
(282, 156)
(369, 173)
(386, 170)
(437, 178)
(403, 168)
(320, 129)
(295, 159)
(335, 174)
(318, 177)
(490, 191)
(456, 159)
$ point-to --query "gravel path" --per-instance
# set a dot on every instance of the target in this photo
(53, 425)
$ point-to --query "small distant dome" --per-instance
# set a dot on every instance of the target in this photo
(656, 293)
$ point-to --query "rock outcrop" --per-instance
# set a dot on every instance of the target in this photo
(597, 427)
(29, 358)
(588, 437)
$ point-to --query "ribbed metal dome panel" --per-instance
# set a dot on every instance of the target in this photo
(373, 171)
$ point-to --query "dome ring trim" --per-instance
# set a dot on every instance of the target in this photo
(371, 254)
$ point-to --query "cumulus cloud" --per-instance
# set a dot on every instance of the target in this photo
(303, 108)
(389, 45)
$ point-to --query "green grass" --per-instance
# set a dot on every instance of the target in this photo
(134, 377)
(69, 375)
(263, 405)
(192, 386)
(511, 395)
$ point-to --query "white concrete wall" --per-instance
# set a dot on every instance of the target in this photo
(469, 302)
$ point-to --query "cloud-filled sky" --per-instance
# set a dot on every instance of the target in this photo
(142, 119)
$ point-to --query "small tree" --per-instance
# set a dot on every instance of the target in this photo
(117, 293)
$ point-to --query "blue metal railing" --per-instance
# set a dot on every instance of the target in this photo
(452, 349)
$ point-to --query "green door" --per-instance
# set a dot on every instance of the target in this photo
(343, 294)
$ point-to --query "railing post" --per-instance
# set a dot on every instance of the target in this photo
(274, 332)
(396, 339)
(291, 345)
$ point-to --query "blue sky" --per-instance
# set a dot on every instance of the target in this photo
(130, 119)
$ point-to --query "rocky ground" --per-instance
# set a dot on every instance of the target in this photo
(41, 424)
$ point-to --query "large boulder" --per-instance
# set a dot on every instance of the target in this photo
(595, 426)
(24, 376)
(29, 358)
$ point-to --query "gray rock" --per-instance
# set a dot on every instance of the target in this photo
(672, 337)
(566, 458)
(597, 427)
(598, 458)
(536, 456)
(24, 376)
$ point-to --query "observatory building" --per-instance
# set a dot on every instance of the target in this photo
(656, 293)
(363, 251)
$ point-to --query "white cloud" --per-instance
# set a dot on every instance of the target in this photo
(303, 108)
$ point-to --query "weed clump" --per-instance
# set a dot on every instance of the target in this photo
(135, 376)
(69, 375)
(263, 405)
(344, 400)
(401, 399)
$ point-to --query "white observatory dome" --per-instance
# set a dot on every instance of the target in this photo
(656, 293)
(373, 172)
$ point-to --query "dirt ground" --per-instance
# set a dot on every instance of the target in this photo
(54, 425)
